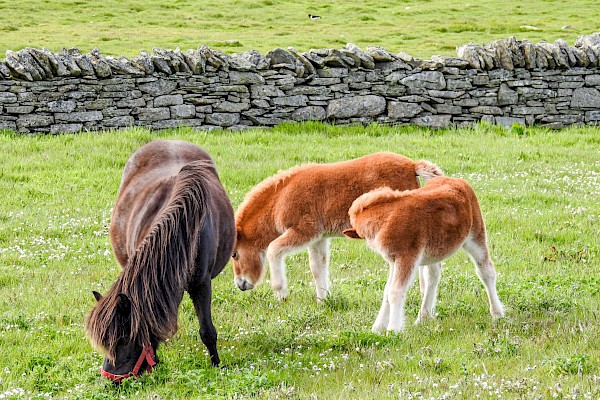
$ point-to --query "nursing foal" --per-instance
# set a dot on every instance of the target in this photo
(419, 227)
(304, 207)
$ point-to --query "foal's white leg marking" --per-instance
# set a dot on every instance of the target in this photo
(422, 280)
(382, 320)
(484, 267)
(318, 258)
(397, 297)
(430, 280)
(276, 257)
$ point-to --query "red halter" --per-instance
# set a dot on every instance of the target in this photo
(147, 355)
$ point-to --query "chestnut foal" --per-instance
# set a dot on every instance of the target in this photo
(421, 227)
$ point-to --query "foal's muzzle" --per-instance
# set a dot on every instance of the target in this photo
(147, 355)
(243, 283)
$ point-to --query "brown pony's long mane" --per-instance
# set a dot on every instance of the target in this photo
(155, 276)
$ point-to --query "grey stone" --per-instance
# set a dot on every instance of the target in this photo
(361, 59)
(158, 88)
(19, 70)
(358, 106)
(468, 52)
(223, 119)
(19, 109)
(7, 97)
(245, 78)
(231, 88)
(168, 100)
(101, 66)
(309, 113)
(379, 54)
(34, 121)
(10, 125)
(229, 107)
(466, 102)
(310, 90)
(448, 109)
(586, 98)
(426, 80)
(509, 121)
(65, 128)
(144, 63)
(119, 121)
(293, 101)
(129, 103)
(61, 106)
(446, 94)
(399, 110)
(333, 72)
(82, 116)
(524, 110)
(592, 80)
(255, 58)
(153, 114)
(183, 111)
(282, 58)
(261, 103)
(489, 110)
(507, 96)
(4, 70)
(592, 116)
(433, 121)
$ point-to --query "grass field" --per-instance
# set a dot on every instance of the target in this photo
(421, 28)
(539, 193)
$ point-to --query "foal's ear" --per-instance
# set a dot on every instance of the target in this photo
(351, 233)
(97, 295)
(123, 304)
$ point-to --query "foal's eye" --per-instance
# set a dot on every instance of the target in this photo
(234, 255)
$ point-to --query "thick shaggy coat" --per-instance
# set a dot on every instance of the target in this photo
(304, 207)
(172, 230)
(422, 227)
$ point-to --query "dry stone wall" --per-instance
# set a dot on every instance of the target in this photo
(504, 82)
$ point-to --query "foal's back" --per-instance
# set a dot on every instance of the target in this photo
(435, 219)
(325, 191)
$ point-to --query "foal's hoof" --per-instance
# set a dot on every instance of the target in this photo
(281, 295)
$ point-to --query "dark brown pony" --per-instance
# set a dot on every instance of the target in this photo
(172, 230)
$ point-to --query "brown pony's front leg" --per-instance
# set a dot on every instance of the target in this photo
(201, 295)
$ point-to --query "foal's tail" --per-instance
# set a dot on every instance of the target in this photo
(427, 170)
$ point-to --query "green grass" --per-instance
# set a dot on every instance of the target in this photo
(421, 28)
(539, 193)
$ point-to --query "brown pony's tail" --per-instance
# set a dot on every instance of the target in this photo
(427, 170)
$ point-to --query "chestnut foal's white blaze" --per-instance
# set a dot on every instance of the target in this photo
(304, 207)
(420, 228)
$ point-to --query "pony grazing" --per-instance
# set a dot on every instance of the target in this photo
(172, 230)
(421, 227)
(304, 207)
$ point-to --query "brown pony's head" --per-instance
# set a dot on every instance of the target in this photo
(109, 326)
(248, 263)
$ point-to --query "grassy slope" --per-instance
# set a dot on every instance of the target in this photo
(421, 27)
(539, 195)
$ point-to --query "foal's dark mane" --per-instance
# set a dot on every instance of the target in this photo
(155, 276)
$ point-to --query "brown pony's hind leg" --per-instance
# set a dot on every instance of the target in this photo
(201, 295)
(288, 243)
